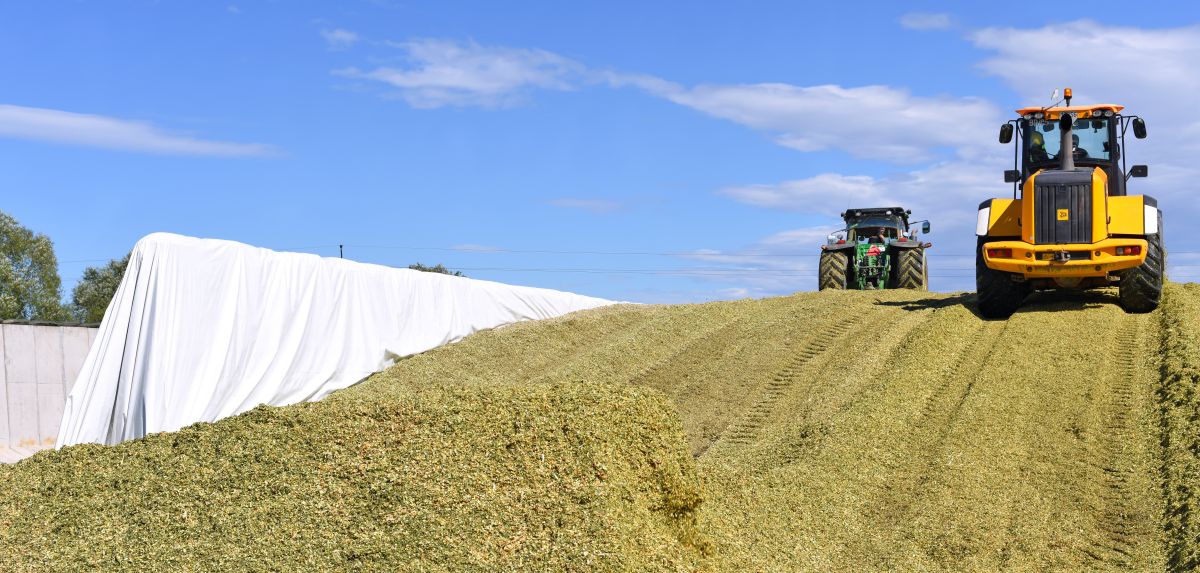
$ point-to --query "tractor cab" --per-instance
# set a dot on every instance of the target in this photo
(878, 225)
(1095, 136)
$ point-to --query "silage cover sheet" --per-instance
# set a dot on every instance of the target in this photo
(202, 329)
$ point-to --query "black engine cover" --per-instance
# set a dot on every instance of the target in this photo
(1059, 193)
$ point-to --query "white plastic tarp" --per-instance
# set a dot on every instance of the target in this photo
(201, 329)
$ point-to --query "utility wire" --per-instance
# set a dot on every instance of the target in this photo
(487, 250)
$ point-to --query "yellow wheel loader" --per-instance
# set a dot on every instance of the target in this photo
(1071, 224)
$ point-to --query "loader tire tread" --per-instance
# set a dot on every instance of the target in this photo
(1141, 287)
(996, 295)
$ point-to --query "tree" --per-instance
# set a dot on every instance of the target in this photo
(30, 288)
(436, 269)
(95, 290)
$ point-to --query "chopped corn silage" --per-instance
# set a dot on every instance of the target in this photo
(856, 431)
(1179, 395)
(532, 477)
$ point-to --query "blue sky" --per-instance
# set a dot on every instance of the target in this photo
(652, 152)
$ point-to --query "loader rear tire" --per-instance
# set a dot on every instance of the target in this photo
(997, 295)
(1141, 287)
(910, 269)
(834, 271)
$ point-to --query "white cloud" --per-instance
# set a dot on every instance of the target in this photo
(873, 122)
(598, 206)
(940, 187)
(828, 193)
(1145, 65)
(339, 39)
(926, 21)
(781, 263)
(109, 133)
(446, 73)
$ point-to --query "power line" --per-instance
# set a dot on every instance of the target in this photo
(498, 250)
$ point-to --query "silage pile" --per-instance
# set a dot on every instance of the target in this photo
(833, 431)
(1179, 397)
(437, 477)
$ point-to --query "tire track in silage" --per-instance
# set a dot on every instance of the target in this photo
(926, 440)
(1120, 523)
(745, 430)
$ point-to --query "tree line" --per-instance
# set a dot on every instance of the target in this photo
(31, 289)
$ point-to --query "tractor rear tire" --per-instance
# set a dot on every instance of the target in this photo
(834, 270)
(996, 294)
(1141, 287)
(910, 269)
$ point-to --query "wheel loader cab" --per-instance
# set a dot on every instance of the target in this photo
(1095, 143)
(1070, 223)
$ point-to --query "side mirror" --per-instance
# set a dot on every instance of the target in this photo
(1006, 132)
(1139, 171)
(925, 227)
(1012, 176)
(1139, 131)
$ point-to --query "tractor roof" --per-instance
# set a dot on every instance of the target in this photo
(851, 214)
(1053, 113)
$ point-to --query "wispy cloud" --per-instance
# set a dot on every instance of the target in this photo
(780, 263)
(66, 127)
(872, 122)
(825, 194)
(598, 206)
(926, 21)
(339, 39)
(447, 73)
(945, 187)
(1157, 65)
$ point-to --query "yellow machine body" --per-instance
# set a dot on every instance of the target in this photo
(1115, 221)
(1071, 222)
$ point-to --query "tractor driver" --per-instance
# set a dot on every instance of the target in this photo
(1078, 151)
(875, 235)
(1037, 147)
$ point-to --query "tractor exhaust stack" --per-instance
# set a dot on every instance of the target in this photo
(1065, 149)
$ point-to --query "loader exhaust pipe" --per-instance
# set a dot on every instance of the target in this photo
(1065, 149)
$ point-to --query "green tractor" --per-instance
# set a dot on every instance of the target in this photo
(878, 249)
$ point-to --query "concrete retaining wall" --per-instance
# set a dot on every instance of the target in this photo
(41, 363)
